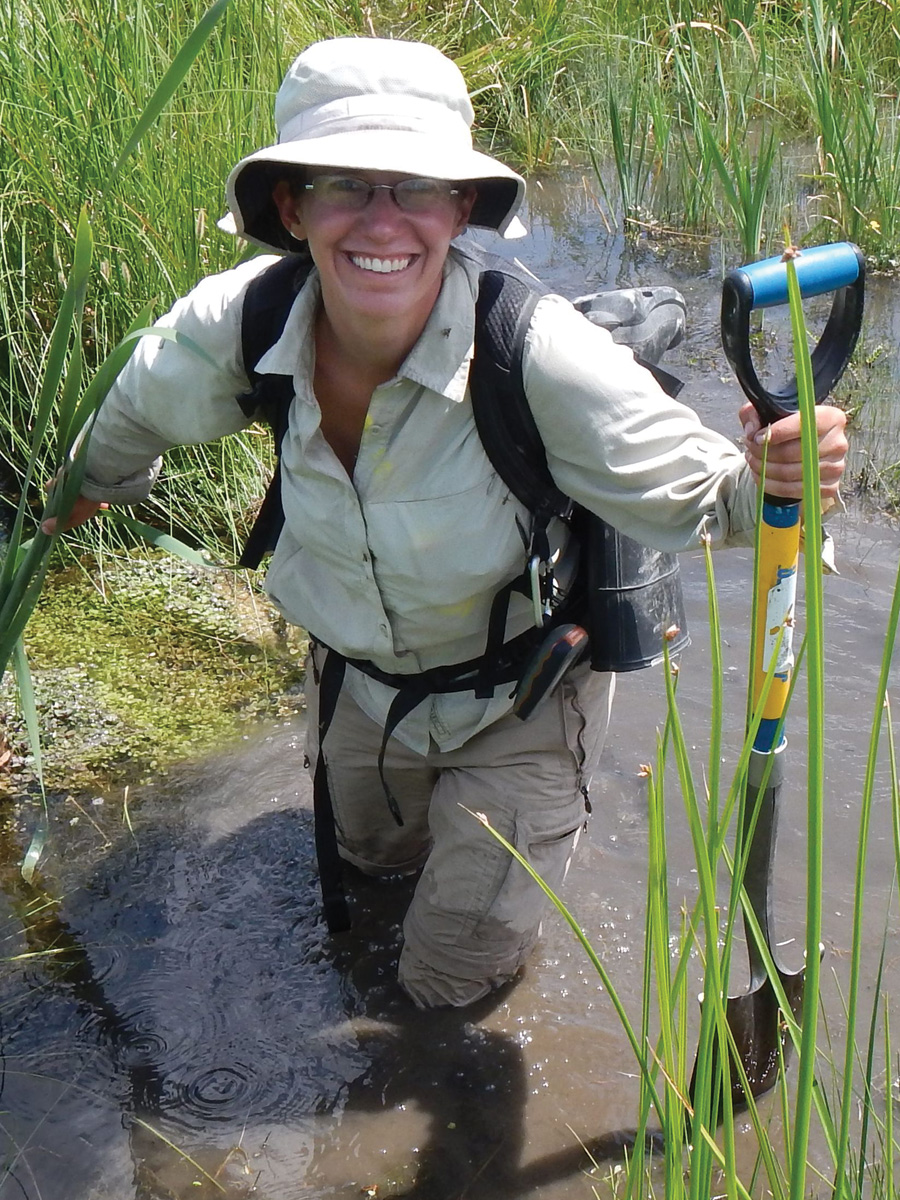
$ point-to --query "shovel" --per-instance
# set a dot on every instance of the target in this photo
(755, 1019)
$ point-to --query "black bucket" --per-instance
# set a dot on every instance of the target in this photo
(635, 601)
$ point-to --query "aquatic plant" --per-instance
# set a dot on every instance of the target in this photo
(732, 87)
(745, 177)
(633, 154)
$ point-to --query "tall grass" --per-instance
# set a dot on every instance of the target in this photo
(737, 87)
(633, 146)
(64, 405)
(73, 86)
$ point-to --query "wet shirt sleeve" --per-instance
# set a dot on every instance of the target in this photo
(173, 392)
(621, 447)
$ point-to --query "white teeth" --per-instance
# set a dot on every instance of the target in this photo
(382, 266)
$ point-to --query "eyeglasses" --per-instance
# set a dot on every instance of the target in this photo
(349, 194)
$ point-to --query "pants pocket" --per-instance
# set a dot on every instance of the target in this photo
(514, 913)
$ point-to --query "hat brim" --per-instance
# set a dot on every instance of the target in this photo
(500, 191)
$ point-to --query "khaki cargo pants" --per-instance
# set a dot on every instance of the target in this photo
(475, 914)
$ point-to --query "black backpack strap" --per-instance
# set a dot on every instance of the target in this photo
(506, 426)
(267, 302)
(502, 414)
(269, 521)
(669, 383)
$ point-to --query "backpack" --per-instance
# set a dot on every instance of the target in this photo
(626, 595)
(632, 588)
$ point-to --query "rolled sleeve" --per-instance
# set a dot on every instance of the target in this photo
(130, 490)
(618, 445)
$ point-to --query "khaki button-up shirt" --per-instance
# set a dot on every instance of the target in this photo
(400, 564)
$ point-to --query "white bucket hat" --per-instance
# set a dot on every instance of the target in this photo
(368, 104)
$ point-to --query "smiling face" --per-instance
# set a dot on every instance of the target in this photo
(379, 263)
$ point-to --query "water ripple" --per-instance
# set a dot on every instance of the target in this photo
(219, 1092)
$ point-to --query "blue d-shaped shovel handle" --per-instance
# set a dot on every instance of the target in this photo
(839, 268)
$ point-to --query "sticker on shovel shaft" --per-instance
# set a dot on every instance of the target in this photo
(780, 615)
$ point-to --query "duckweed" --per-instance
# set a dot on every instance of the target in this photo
(141, 660)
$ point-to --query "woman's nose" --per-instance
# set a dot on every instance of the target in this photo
(382, 209)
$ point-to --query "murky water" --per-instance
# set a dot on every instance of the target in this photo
(191, 1005)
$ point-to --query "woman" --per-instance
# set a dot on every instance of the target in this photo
(398, 534)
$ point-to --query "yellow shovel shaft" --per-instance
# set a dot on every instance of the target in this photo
(776, 600)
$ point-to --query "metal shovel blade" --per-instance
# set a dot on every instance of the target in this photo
(760, 1033)
(755, 1018)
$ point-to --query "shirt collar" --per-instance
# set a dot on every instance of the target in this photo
(440, 358)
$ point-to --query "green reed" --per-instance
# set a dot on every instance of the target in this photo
(738, 90)
(65, 399)
(843, 1184)
(632, 147)
(700, 1155)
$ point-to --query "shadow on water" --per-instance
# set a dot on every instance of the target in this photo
(189, 987)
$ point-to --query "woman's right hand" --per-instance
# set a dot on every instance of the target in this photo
(82, 510)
